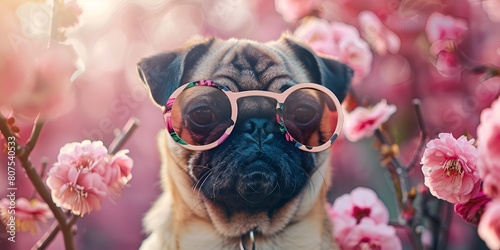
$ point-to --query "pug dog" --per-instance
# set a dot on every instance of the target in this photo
(252, 188)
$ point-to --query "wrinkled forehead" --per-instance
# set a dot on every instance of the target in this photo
(245, 65)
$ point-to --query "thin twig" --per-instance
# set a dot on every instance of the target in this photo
(423, 135)
(122, 136)
(34, 137)
(51, 233)
(47, 238)
(42, 175)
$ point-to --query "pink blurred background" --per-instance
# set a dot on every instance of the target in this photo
(114, 34)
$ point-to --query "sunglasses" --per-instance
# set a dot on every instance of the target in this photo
(201, 115)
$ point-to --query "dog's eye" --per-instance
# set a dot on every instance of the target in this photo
(304, 114)
(202, 116)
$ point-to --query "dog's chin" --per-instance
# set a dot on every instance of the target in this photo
(243, 221)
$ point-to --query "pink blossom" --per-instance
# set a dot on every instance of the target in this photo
(441, 27)
(473, 209)
(74, 180)
(27, 213)
(78, 191)
(85, 155)
(340, 41)
(362, 122)
(370, 235)
(318, 33)
(447, 63)
(118, 172)
(16, 58)
(342, 225)
(492, 8)
(53, 93)
(449, 167)
(292, 10)
(491, 184)
(489, 225)
(85, 175)
(380, 37)
(488, 133)
(360, 203)
(445, 32)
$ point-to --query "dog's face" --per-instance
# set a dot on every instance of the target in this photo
(255, 178)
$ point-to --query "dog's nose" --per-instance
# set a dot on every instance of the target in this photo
(259, 129)
(255, 186)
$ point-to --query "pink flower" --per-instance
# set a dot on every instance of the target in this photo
(378, 36)
(363, 122)
(360, 203)
(492, 8)
(449, 167)
(441, 27)
(85, 175)
(118, 172)
(488, 133)
(489, 225)
(473, 209)
(74, 180)
(445, 32)
(16, 58)
(447, 63)
(53, 93)
(360, 221)
(27, 213)
(292, 10)
(370, 235)
(78, 191)
(340, 41)
(491, 184)
(84, 156)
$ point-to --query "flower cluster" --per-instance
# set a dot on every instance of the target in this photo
(454, 170)
(85, 174)
(360, 222)
(340, 41)
(27, 213)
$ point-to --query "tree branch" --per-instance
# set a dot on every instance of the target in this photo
(120, 139)
(38, 184)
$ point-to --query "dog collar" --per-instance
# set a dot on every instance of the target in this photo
(252, 240)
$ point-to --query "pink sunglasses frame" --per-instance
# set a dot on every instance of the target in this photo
(234, 96)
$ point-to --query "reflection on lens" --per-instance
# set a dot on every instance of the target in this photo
(201, 115)
(310, 116)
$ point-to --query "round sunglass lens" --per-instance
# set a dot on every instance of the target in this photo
(200, 115)
(310, 116)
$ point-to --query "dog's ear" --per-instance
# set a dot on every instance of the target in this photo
(330, 73)
(163, 73)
